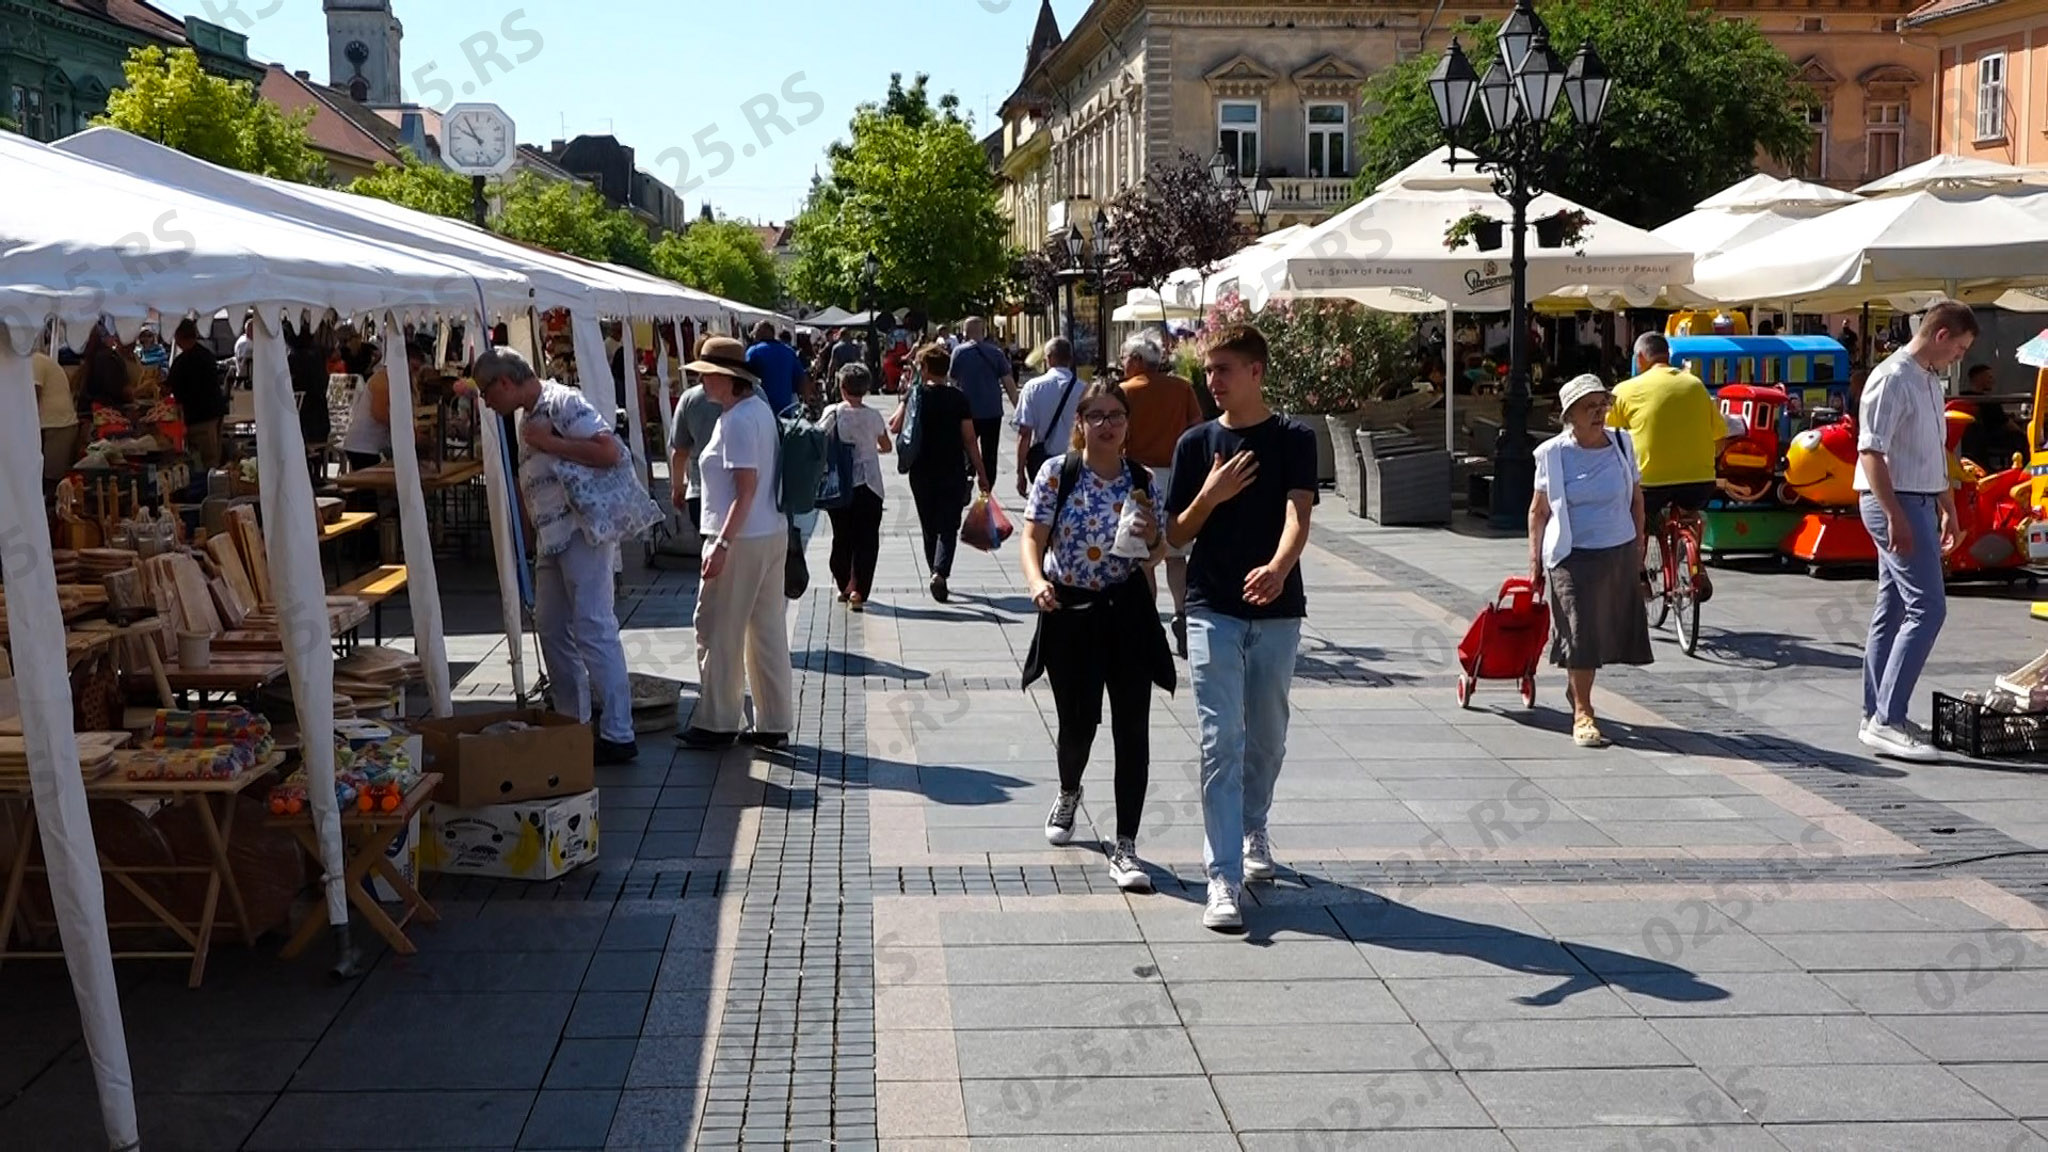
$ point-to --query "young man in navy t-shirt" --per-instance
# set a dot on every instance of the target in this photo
(1243, 485)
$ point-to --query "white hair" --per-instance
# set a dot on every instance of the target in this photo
(1652, 346)
(1145, 346)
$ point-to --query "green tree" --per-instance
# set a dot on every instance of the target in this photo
(418, 185)
(1696, 98)
(170, 99)
(725, 258)
(574, 219)
(913, 187)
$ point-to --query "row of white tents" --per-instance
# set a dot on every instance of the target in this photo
(107, 225)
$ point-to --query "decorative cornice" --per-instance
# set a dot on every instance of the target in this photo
(1331, 77)
(1815, 71)
(1241, 75)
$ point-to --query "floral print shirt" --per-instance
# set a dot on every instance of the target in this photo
(1079, 555)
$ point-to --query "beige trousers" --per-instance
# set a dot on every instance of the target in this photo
(743, 641)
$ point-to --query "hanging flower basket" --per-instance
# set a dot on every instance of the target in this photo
(1474, 228)
(1562, 230)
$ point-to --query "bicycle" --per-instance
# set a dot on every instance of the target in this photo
(1673, 556)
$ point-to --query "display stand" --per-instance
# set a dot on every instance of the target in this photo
(366, 837)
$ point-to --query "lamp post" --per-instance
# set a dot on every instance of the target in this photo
(1518, 95)
(1258, 197)
(1076, 244)
(870, 270)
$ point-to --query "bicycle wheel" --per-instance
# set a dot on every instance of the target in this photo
(1685, 607)
(1653, 563)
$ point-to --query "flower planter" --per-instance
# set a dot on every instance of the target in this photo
(1487, 237)
(1550, 232)
(1326, 452)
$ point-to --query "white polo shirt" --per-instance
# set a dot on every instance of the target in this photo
(1902, 417)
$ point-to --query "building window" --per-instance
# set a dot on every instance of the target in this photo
(1812, 24)
(1991, 96)
(1884, 139)
(1816, 166)
(1888, 24)
(1238, 123)
(1328, 133)
(27, 111)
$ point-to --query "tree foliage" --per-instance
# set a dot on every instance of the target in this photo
(418, 185)
(1696, 97)
(725, 258)
(574, 219)
(1177, 218)
(913, 187)
(170, 99)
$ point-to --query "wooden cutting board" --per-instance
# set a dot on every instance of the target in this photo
(229, 558)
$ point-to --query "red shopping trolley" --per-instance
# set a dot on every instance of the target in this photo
(1505, 640)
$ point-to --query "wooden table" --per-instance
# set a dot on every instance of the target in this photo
(219, 871)
(349, 522)
(365, 838)
(227, 674)
(384, 477)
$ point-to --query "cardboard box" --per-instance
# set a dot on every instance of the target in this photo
(552, 758)
(404, 853)
(539, 840)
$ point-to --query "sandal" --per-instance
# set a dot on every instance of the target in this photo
(1586, 733)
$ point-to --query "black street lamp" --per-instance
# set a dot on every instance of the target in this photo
(870, 271)
(1258, 197)
(1517, 95)
(1099, 246)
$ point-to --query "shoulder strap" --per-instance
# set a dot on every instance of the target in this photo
(1070, 475)
(1073, 378)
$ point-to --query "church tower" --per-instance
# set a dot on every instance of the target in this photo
(362, 50)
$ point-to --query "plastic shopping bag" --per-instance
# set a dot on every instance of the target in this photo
(986, 527)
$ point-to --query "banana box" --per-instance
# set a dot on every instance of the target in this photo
(529, 840)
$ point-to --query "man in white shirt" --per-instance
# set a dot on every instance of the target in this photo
(1910, 509)
(1045, 412)
(245, 350)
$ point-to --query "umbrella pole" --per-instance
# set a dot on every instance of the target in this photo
(1450, 374)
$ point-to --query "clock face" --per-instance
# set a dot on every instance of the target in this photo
(358, 53)
(477, 140)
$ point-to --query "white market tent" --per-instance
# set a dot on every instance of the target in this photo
(1145, 306)
(78, 241)
(541, 280)
(1970, 228)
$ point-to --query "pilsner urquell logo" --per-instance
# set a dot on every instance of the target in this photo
(1485, 277)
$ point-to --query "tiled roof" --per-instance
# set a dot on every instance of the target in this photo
(134, 15)
(1937, 9)
(333, 129)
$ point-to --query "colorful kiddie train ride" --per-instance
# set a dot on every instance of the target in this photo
(1787, 469)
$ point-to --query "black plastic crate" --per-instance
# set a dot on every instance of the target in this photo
(1977, 731)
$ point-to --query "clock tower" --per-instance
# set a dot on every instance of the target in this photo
(362, 50)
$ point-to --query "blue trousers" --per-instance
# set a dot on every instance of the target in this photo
(1912, 603)
(1242, 670)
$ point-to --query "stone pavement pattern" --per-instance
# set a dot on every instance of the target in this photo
(1732, 931)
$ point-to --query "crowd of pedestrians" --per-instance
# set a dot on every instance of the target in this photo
(1119, 478)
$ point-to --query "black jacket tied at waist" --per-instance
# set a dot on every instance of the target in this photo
(1089, 621)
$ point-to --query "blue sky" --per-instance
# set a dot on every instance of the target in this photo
(658, 74)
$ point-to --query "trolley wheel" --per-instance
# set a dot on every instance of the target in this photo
(1528, 691)
(1464, 691)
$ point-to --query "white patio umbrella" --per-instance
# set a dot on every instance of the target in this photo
(1147, 306)
(1965, 227)
(78, 241)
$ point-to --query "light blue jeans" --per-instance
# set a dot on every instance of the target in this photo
(1241, 670)
(579, 637)
(1912, 603)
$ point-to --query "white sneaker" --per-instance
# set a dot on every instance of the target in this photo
(1864, 725)
(1125, 869)
(1059, 823)
(1899, 743)
(1258, 856)
(1221, 912)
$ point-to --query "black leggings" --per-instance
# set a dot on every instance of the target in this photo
(1081, 666)
(941, 502)
(856, 541)
(990, 433)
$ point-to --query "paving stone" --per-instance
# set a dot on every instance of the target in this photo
(1061, 1106)
(1063, 1053)
(1959, 1037)
(1815, 1094)
(356, 1054)
(1719, 1137)
(2020, 1089)
(1550, 1044)
(479, 972)
(569, 1120)
(1894, 1137)
(1334, 1048)
(602, 1014)
(591, 1064)
(1507, 997)
(1311, 1102)
(982, 1007)
(428, 1120)
(1826, 1040)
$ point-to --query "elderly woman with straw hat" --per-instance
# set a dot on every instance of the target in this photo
(1586, 542)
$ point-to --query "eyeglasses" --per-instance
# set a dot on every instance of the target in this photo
(1099, 419)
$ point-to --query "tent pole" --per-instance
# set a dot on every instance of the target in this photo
(1450, 375)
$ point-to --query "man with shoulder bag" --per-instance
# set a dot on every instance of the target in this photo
(1045, 412)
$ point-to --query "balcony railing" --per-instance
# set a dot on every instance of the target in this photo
(1298, 192)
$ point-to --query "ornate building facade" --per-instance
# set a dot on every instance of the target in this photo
(1986, 103)
(1275, 87)
(60, 58)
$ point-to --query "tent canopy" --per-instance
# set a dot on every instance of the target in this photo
(75, 247)
(555, 280)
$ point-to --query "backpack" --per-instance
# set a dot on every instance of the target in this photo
(835, 490)
(800, 462)
(910, 441)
